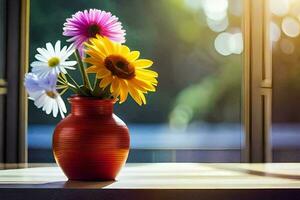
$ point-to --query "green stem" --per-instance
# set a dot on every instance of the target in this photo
(72, 87)
(97, 90)
(63, 91)
(78, 88)
(85, 78)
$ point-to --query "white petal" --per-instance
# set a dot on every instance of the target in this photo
(67, 67)
(55, 109)
(69, 63)
(39, 102)
(61, 104)
(41, 58)
(63, 50)
(61, 113)
(38, 64)
(68, 53)
(62, 69)
(45, 100)
(49, 106)
(57, 71)
(44, 52)
(41, 71)
(50, 49)
(57, 47)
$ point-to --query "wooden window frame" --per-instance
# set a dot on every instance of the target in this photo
(13, 147)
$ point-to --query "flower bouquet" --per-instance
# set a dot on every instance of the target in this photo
(91, 143)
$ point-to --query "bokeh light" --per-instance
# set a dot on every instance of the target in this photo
(217, 26)
(236, 43)
(279, 7)
(222, 43)
(228, 43)
(215, 9)
(290, 27)
(275, 32)
(287, 46)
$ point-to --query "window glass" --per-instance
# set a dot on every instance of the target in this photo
(197, 46)
(285, 37)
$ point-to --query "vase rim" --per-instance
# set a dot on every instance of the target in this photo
(83, 98)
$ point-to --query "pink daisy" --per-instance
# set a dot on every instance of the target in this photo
(87, 24)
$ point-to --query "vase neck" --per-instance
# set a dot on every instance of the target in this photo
(91, 106)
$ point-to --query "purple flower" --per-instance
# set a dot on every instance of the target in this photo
(31, 83)
(42, 90)
(34, 83)
(87, 24)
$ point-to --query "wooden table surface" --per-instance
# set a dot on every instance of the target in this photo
(220, 180)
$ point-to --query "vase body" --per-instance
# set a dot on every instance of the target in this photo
(91, 143)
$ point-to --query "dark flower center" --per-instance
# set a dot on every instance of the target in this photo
(93, 30)
(119, 67)
(51, 94)
(53, 62)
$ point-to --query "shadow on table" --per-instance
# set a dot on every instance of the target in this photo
(258, 173)
(61, 184)
(87, 184)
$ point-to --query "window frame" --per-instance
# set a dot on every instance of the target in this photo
(13, 147)
(257, 89)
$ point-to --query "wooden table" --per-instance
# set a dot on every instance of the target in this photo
(159, 181)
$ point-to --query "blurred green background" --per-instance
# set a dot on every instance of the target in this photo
(196, 83)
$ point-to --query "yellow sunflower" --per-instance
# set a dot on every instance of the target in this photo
(120, 69)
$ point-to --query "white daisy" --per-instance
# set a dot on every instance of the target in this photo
(53, 59)
(42, 90)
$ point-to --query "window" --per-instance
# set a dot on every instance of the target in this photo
(284, 33)
(195, 116)
(223, 96)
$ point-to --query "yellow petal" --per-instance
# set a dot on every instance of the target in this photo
(142, 63)
(133, 56)
(144, 84)
(124, 50)
(147, 72)
(109, 45)
(147, 77)
(92, 69)
(142, 96)
(100, 46)
(105, 82)
(135, 95)
(152, 81)
(123, 91)
(114, 85)
(101, 73)
(94, 48)
(95, 54)
(117, 47)
(136, 86)
(93, 61)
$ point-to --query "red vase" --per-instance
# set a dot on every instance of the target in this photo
(91, 143)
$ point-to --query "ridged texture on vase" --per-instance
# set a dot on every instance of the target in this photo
(91, 143)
